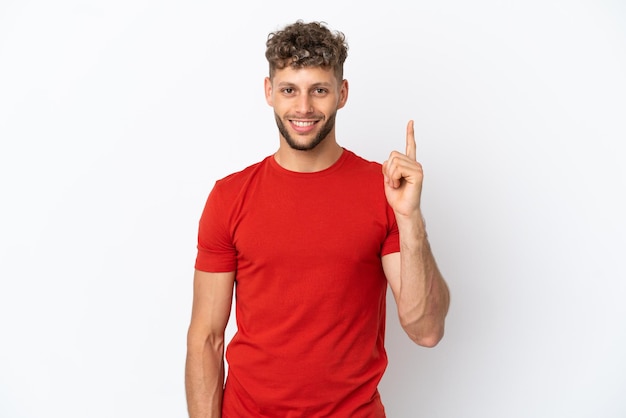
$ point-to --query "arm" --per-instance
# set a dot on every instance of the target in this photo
(204, 368)
(418, 287)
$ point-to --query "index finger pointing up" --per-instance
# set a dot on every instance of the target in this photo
(411, 147)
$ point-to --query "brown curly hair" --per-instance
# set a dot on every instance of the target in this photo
(306, 45)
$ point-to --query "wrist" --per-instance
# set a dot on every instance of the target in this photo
(413, 220)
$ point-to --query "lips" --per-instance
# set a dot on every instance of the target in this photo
(302, 126)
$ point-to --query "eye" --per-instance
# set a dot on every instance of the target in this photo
(320, 91)
(287, 90)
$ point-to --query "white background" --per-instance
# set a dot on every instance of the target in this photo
(116, 117)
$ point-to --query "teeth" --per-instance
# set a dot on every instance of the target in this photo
(302, 124)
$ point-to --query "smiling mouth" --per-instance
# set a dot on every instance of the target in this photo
(302, 124)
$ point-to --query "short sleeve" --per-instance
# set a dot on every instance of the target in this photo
(216, 252)
(392, 241)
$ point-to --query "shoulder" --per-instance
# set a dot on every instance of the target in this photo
(228, 188)
(358, 164)
(238, 178)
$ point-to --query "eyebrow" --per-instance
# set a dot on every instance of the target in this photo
(314, 85)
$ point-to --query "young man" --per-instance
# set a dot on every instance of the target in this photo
(309, 238)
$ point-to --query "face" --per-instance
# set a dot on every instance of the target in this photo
(305, 103)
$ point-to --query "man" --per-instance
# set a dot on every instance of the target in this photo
(310, 237)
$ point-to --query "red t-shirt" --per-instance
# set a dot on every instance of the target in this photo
(310, 288)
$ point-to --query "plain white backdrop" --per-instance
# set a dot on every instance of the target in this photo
(116, 117)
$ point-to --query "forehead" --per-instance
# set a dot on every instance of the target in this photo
(305, 76)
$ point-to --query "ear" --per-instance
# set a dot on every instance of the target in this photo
(268, 91)
(343, 94)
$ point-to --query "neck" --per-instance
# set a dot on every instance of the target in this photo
(320, 158)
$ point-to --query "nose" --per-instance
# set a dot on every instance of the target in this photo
(304, 104)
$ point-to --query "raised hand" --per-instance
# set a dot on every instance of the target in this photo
(403, 178)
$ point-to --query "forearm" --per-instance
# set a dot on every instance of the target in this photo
(423, 297)
(204, 379)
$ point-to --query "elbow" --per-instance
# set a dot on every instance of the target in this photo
(425, 332)
(429, 340)
(201, 341)
(426, 327)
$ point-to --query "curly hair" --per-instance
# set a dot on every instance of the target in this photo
(306, 45)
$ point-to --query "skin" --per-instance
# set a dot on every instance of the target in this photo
(306, 96)
(305, 102)
(204, 369)
(419, 289)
